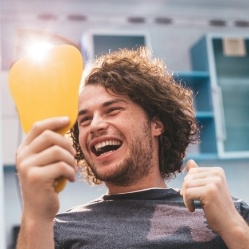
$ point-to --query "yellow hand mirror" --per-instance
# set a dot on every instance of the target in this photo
(47, 88)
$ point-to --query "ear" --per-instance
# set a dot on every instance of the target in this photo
(157, 126)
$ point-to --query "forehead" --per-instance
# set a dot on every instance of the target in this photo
(96, 94)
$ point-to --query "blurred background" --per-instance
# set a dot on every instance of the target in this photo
(173, 28)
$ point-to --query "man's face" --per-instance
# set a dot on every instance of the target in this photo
(115, 135)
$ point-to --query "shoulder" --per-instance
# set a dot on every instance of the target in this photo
(79, 209)
(242, 207)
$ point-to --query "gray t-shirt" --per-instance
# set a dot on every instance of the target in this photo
(155, 218)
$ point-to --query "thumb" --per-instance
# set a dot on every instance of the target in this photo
(191, 164)
(189, 202)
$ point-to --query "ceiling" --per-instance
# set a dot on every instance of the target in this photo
(11, 7)
(58, 16)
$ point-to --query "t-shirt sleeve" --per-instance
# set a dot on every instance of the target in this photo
(56, 242)
(243, 208)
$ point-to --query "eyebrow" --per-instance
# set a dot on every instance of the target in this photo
(105, 104)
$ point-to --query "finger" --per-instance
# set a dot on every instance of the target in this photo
(191, 164)
(51, 155)
(201, 182)
(37, 152)
(53, 124)
(193, 175)
(204, 172)
(47, 176)
(48, 139)
(189, 203)
(193, 195)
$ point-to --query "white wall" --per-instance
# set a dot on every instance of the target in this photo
(12, 134)
(2, 220)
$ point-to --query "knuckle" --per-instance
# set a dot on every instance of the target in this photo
(192, 170)
(20, 166)
(47, 134)
(36, 127)
(63, 166)
(222, 172)
(56, 151)
(187, 185)
(21, 162)
(20, 156)
(219, 171)
(212, 189)
(33, 176)
(220, 175)
(187, 179)
(188, 193)
(219, 183)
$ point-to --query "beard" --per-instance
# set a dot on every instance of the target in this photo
(136, 165)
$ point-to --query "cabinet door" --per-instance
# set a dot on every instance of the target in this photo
(199, 83)
(226, 58)
(229, 68)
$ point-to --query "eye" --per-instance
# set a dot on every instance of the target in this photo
(84, 121)
(114, 110)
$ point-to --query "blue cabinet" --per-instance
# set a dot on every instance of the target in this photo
(225, 115)
(199, 82)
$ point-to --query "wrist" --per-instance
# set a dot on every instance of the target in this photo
(35, 233)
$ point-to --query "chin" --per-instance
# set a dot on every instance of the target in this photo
(110, 172)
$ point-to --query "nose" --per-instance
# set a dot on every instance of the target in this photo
(98, 123)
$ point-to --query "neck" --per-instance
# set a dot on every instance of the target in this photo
(147, 182)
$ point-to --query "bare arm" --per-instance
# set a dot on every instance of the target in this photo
(35, 234)
(237, 236)
(209, 186)
(44, 157)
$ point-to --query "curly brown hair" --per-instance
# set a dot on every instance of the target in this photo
(146, 81)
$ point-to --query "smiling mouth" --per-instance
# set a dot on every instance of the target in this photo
(105, 147)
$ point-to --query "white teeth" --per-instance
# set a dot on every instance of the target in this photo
(103, 144)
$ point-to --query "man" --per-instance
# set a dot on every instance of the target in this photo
(132, 131)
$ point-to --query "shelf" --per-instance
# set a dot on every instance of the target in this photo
(226, 59)
(202, 156)
(204, 115)
(199, 83)
(192, 77)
